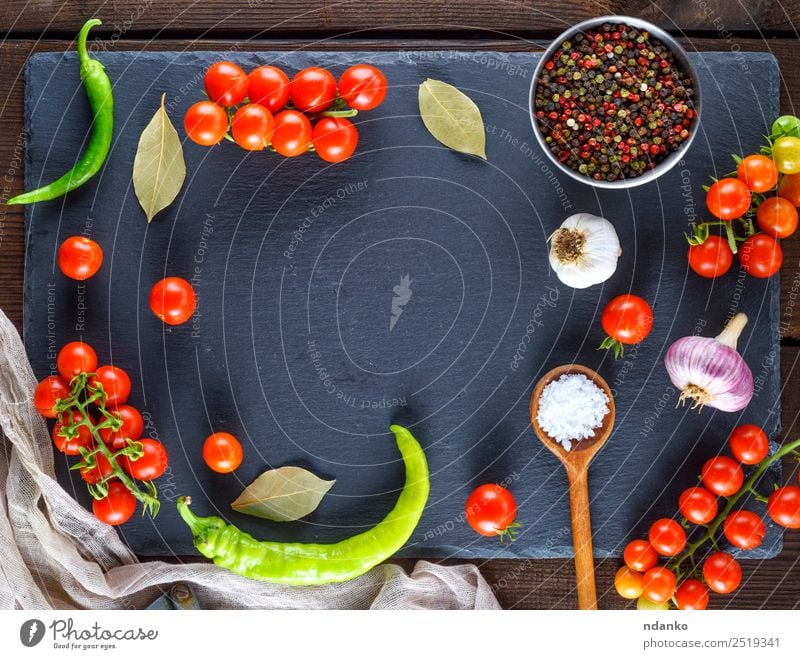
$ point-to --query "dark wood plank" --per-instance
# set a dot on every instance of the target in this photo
(265, 18)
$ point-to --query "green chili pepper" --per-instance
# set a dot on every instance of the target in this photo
(300, 564)
(98, 90)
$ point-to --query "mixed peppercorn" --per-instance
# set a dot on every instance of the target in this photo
(613, 103)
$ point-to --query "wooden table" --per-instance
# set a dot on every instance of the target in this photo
(518, 25)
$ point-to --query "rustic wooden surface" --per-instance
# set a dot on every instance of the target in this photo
(416, 24)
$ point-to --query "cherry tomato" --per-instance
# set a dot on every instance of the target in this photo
(667, 537)
(644, 604)
(292, 134)
(313, 89)
(787, 124)
(760, 256)
(222, 452)
(132, 427)
(784, 506)
(252, 127)
(71, 446)
(362, 86)
(777, 217)
(639, 555)
(691, 596)
(698, 505)
(101, 470)
(79, 257)
(722, 476)
(205, 123)
(334, 138)
(758, 173)
(789, 189)
(226, 83)
(76, 358)
(786, 154)
(491, 510)
(744, 529)
(116, 384)
(722, 573)
(152, 464)
(712, 258)
(48, 392)
(628, 583)
(117, 507)
(749, 444)
(658, 584)
(173, 300)
(626, 319)
(269, 86)
(728, 199)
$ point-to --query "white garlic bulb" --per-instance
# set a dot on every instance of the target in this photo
(584, 250)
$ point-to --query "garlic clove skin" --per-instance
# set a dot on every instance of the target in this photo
(584, 250)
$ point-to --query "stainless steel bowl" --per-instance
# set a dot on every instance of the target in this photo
(680, 56)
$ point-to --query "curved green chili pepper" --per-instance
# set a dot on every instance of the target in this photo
(98, 90)
(300, 564)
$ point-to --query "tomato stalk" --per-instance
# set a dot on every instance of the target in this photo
(710, 534)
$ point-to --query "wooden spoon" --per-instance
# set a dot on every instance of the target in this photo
(576, 462)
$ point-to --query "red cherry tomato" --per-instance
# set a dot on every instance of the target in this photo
(226, 83)
(76, 358)
(115, 382)
(712, 258)
(71, 446)
(48, 392)
(151, 465)
(691, 596)
(79, 257)
(639, 555)
(777, 217)
(626, 319)
(749, 444)
(790, 189)
(222, 452)
(658, 584)
(292, 134)
(491, 511)
(728, 199)
(722, 476)
(760, 256)
(628, 583)
(334, 139)
(205, 123)
(744, 529)
(722, 573)
(173, 300)
(116, 508)
(313, 89)
(101, 470)
(269, 86)
(363, 87)
(252, 127)
(132, 427)
(698, 505)
(758, 173)
(667, 537)
(784, 506)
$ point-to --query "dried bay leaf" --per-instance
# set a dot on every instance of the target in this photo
(452, 117)
(282, 495)
(158, 168)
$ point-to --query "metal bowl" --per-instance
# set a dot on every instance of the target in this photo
(681, 58)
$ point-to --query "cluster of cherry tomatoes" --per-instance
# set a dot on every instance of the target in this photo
(765, 188)
(680, 580)
(264, 108)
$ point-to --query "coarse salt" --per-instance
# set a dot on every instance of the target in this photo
(571, 408)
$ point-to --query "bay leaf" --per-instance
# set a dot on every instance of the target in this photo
(158, 167)
(452, 117)
(282, 495)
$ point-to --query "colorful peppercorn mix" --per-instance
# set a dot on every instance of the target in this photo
(613, 103)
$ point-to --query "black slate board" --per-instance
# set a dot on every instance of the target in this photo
(295, 263)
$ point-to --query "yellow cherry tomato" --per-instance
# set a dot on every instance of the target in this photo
(644, 604)
(628, 583)
(786, 154)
